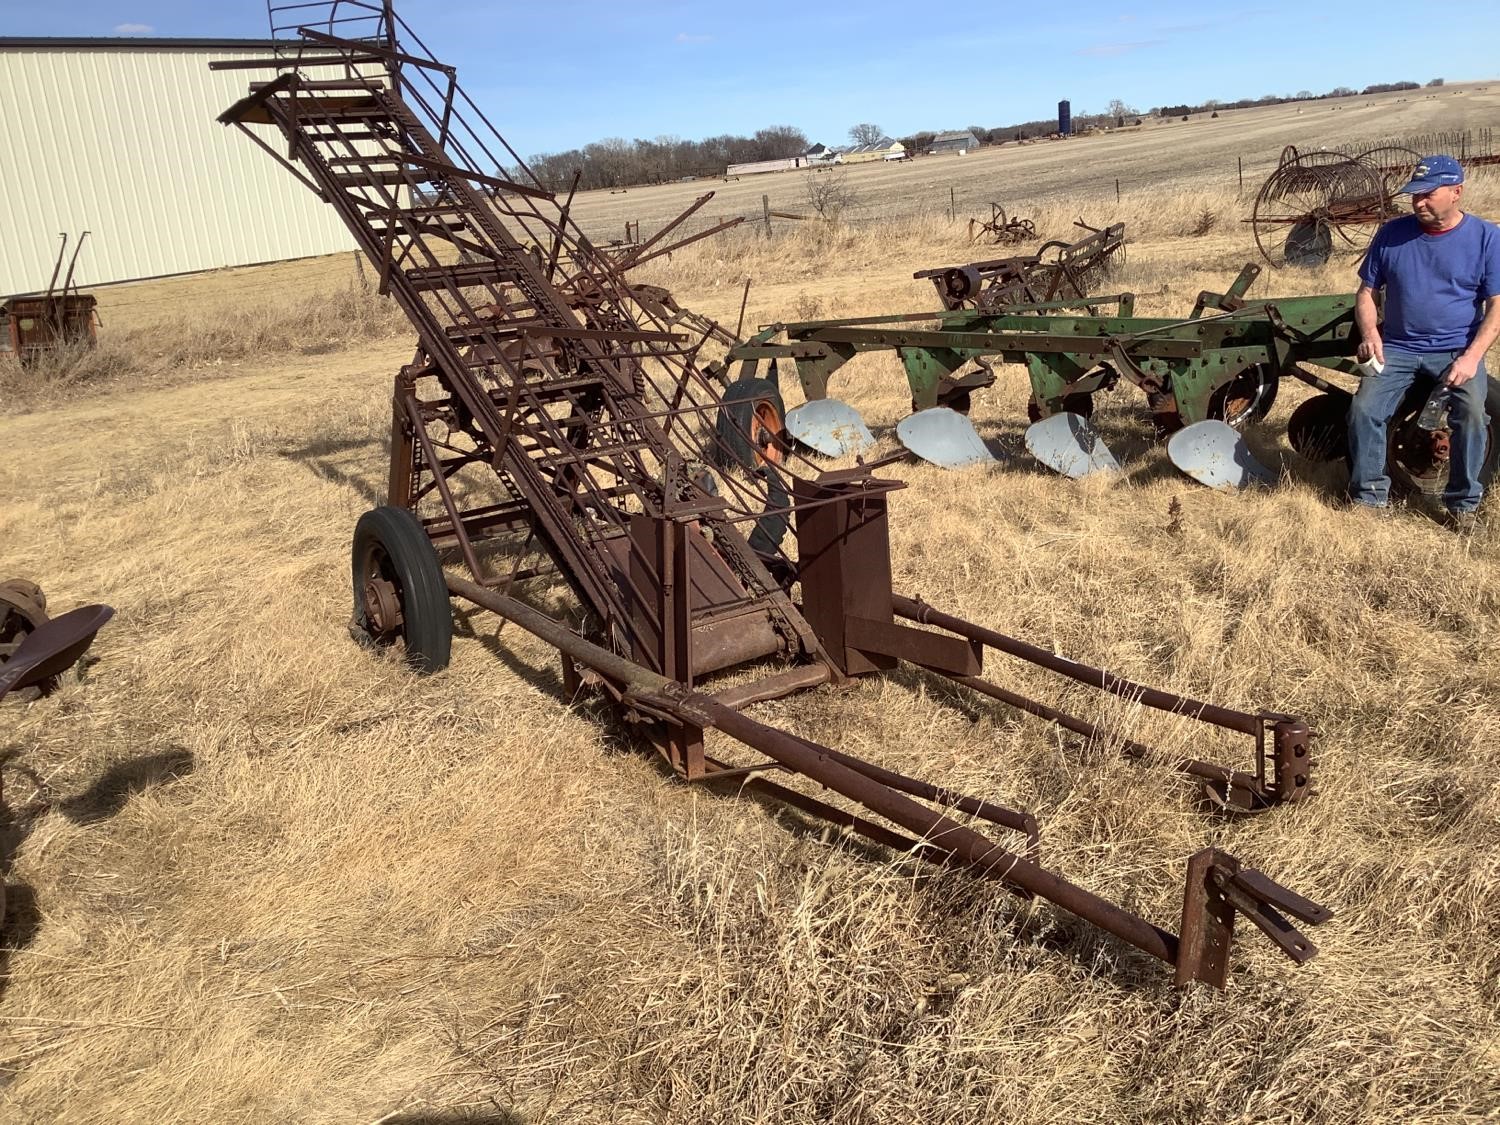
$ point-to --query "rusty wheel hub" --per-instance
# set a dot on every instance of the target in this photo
(382, 605)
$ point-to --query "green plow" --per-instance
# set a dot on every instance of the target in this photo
(1205, 377)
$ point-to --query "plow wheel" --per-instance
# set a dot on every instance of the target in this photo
(1308, 210)
(1319, 427)
(1418, 460)
(751, 428)
(399, 591)
(1246, 398)
(1080, 404)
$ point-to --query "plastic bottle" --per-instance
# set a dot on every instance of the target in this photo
(1434, 414)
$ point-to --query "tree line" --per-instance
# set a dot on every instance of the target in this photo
(617, 163)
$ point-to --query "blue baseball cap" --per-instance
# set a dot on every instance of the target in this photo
(1433, 172)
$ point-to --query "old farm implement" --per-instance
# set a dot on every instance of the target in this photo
(1058, 271)
(558, 425)
(33, 325)
(1222, 363)
(1330, 201)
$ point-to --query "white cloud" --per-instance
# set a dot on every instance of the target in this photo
(1111, 50)
(133, 29)
(684, 37)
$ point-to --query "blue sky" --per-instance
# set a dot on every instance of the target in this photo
(580, 70)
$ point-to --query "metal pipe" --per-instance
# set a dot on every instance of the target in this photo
(1206, 770)
(696, 709)
(1225, 717)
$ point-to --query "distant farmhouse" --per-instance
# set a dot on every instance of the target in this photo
(960, 143)
(883, 149)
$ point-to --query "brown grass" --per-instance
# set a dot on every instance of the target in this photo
(260, 875)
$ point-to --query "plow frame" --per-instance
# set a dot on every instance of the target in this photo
(1181, 365)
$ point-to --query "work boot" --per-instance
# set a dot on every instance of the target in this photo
(1462, 523)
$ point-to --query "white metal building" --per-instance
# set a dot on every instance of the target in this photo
(119, 137)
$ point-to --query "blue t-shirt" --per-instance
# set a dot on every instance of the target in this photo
(1435, 284)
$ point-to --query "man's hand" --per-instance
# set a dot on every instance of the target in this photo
(1374, 346)
(1461, 371)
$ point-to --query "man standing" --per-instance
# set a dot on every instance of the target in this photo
(1440, 269)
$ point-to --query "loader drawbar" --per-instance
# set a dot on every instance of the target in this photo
(560, 424)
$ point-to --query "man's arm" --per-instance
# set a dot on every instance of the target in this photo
(1467, 364)
(1368, 319)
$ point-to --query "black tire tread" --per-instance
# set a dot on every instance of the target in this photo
(428, 624)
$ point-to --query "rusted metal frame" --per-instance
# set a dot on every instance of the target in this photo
(850, 822)
(282, 160)
(386, 54)
(639, 259)
(479, 215)
(933, 827)
(285, 83)
(414, 416)
(1206, 771)
(447, 171)
(562, 225)
(438, 348)
(298, 64)
(1213, 714)
(1290, 737)
(1023, 822)
(781, 684)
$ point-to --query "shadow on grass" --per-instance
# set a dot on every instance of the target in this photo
(114, 787)
(318, 456)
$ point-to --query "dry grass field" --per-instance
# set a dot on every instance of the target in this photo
(258, 874)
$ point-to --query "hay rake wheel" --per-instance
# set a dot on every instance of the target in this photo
(1315, 206)
(1392, 163)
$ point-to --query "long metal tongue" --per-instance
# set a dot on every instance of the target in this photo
(829, 427)
(1214, 453)
(1069, 444)
(944, 437)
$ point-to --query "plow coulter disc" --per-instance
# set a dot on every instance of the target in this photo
(1069, 444)
(829, 427)
(1319, 428)
(1213, 453)
(944, 437)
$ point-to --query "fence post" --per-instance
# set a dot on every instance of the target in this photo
(952, 206)
(765, 206)
(1117, 191)
(1240, 160)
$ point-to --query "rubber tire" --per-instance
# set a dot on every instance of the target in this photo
(1404, 485)
(1260, 410)
(732, 449)
(427, 626)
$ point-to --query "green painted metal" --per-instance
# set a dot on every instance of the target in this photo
(1180, 364)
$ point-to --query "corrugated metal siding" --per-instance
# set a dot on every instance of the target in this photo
(124, 144)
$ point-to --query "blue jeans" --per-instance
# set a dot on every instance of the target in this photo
(1379, 397)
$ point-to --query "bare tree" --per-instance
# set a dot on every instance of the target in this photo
(830, 195)
(865, 133)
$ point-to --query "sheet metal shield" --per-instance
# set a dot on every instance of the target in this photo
(1069, 444)
(1214, 453)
